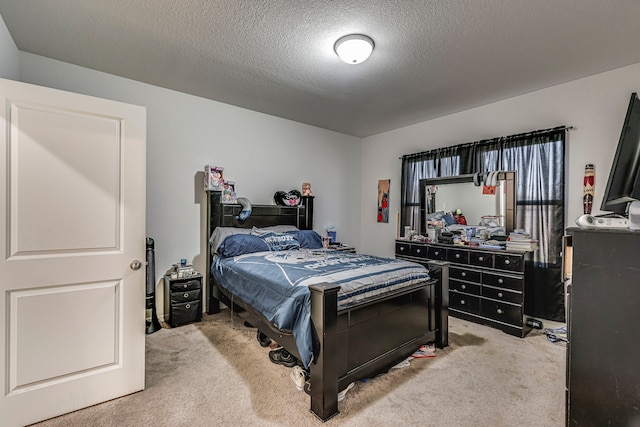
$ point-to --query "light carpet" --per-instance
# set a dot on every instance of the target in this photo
(214, 373)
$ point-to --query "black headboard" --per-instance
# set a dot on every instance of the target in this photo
(225, 215)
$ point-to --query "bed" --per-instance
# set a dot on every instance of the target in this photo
(351, 341)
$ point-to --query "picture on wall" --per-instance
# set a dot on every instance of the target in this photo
(383, 200)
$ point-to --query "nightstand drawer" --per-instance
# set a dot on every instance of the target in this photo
(185, 285)
(185, 312)
(179, 297)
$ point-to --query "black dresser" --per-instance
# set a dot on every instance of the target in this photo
(603, 354)
(485, 286)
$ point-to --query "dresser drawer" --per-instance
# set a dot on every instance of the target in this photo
(402, 248)
(184, 296)
(509, 262)
(502, 295)
(463, 302)
(502, 312)
(186, 285)
(481, 259)
(437, 253)
(503, 281)
(464, 274)
(469, 288)
(461, 256)
(419, 251)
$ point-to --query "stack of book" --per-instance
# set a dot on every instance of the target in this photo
(519, 240)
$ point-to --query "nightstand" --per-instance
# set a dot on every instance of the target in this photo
(183, 299)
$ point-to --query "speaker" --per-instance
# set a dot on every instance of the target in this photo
(154, 324)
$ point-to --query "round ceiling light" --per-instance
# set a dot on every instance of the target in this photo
(354, 48)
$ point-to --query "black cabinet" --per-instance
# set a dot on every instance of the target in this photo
(603, 353)
(183, 299)
(485, 285)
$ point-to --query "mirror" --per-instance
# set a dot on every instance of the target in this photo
(460, 192)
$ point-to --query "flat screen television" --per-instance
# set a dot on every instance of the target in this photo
(623, 185)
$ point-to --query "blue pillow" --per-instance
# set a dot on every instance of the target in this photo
(280, 241)
(308, 239)
(240, 244)
(449, 219)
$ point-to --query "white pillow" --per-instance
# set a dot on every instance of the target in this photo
(221, 233)
(274, 229)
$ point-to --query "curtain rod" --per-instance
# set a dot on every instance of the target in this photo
(485, 141)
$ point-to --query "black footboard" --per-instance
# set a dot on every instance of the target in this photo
(371, 338)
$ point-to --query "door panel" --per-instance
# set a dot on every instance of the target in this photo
(72, 209)
(54, 164)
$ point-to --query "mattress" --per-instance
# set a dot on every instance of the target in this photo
(276, 284)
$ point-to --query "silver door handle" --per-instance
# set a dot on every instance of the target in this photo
(135, 264)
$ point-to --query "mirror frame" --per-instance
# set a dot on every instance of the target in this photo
(508, 179)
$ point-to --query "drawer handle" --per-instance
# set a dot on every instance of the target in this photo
(507, 262)
(499, 311)
(186, 295)
(462, 302)
(464, 274)
(185, 286)
(463, 287)
(436, 253)
(402, 249)
(418, 251)
(188, 306)
(500, 295)
(481, 258)
(500, 281)
(457, 255)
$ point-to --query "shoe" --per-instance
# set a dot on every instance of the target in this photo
(424, 351)
(344, 392)
(283, 357)
(299, 377)
(341, 395)
(273, 345)
(263, 339)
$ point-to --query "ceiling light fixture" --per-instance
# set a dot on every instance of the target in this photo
(354, 48)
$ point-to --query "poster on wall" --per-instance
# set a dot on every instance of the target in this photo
(383, 200)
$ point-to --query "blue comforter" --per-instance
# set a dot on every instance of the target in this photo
(276, 284)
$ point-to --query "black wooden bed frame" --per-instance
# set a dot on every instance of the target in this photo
(355, 343)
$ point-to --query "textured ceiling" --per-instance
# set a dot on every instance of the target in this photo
(432, 57)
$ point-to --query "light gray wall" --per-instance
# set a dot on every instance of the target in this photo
(595, 106)
(261, 153)
(9, 56)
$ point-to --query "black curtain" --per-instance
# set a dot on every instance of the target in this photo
(538, 159)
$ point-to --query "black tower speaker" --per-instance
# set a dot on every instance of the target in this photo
(154, 324)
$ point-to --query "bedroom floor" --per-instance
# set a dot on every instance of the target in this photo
(214, 373)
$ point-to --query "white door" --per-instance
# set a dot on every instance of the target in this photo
(72, 226)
